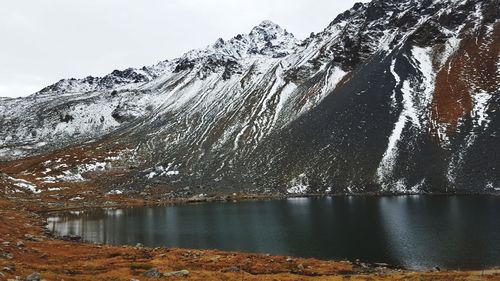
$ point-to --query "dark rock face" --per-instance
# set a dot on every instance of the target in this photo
(66, 117)
(184, 65)
(392, 97)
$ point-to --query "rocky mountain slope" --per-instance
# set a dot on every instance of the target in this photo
(396, 96)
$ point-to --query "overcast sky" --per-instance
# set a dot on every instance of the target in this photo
(44, 41)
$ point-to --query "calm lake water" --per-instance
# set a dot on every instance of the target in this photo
(417, 232)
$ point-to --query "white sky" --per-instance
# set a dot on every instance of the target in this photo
(44, 41)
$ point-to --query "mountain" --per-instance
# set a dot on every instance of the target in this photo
(394, 96)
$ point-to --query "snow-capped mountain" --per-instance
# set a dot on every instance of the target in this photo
(116, 79)
(393, 96)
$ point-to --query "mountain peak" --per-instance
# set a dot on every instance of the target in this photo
(268, 23)
(270, 28)
(267, 39)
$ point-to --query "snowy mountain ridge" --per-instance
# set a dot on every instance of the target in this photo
(396, 96)
(265, 39)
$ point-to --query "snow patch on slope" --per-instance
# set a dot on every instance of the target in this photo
(480, 107)
(298, 185)
(160, 171)
(412, 107)
(29, 186)
(398, 81)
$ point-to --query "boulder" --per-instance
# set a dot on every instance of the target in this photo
(35, 276)
(152, 273)
(180, 273)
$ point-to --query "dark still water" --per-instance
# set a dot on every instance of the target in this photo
(416, 232)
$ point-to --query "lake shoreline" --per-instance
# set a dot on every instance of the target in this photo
(128, 211)
(232, 199)
(23, 221)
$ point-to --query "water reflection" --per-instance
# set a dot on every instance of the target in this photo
(412, 231)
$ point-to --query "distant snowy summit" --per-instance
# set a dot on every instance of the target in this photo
(267, 39)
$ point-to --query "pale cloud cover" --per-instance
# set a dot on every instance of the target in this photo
(44, 41)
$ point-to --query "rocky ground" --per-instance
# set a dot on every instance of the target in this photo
(28, 253)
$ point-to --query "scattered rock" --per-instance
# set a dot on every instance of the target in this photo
(152, 273)
(6, 255)
(215, 258)
(179, 273)
(139, 245)
(232, 269)
(20, 244)
(300, 266)
(73, 238)
(197, 198)
(9, 269)
(289, 259)
(32, 237)
(196, 255)
(35, 276)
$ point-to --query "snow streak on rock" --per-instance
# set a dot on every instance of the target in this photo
(298, 185)
(415, 101)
